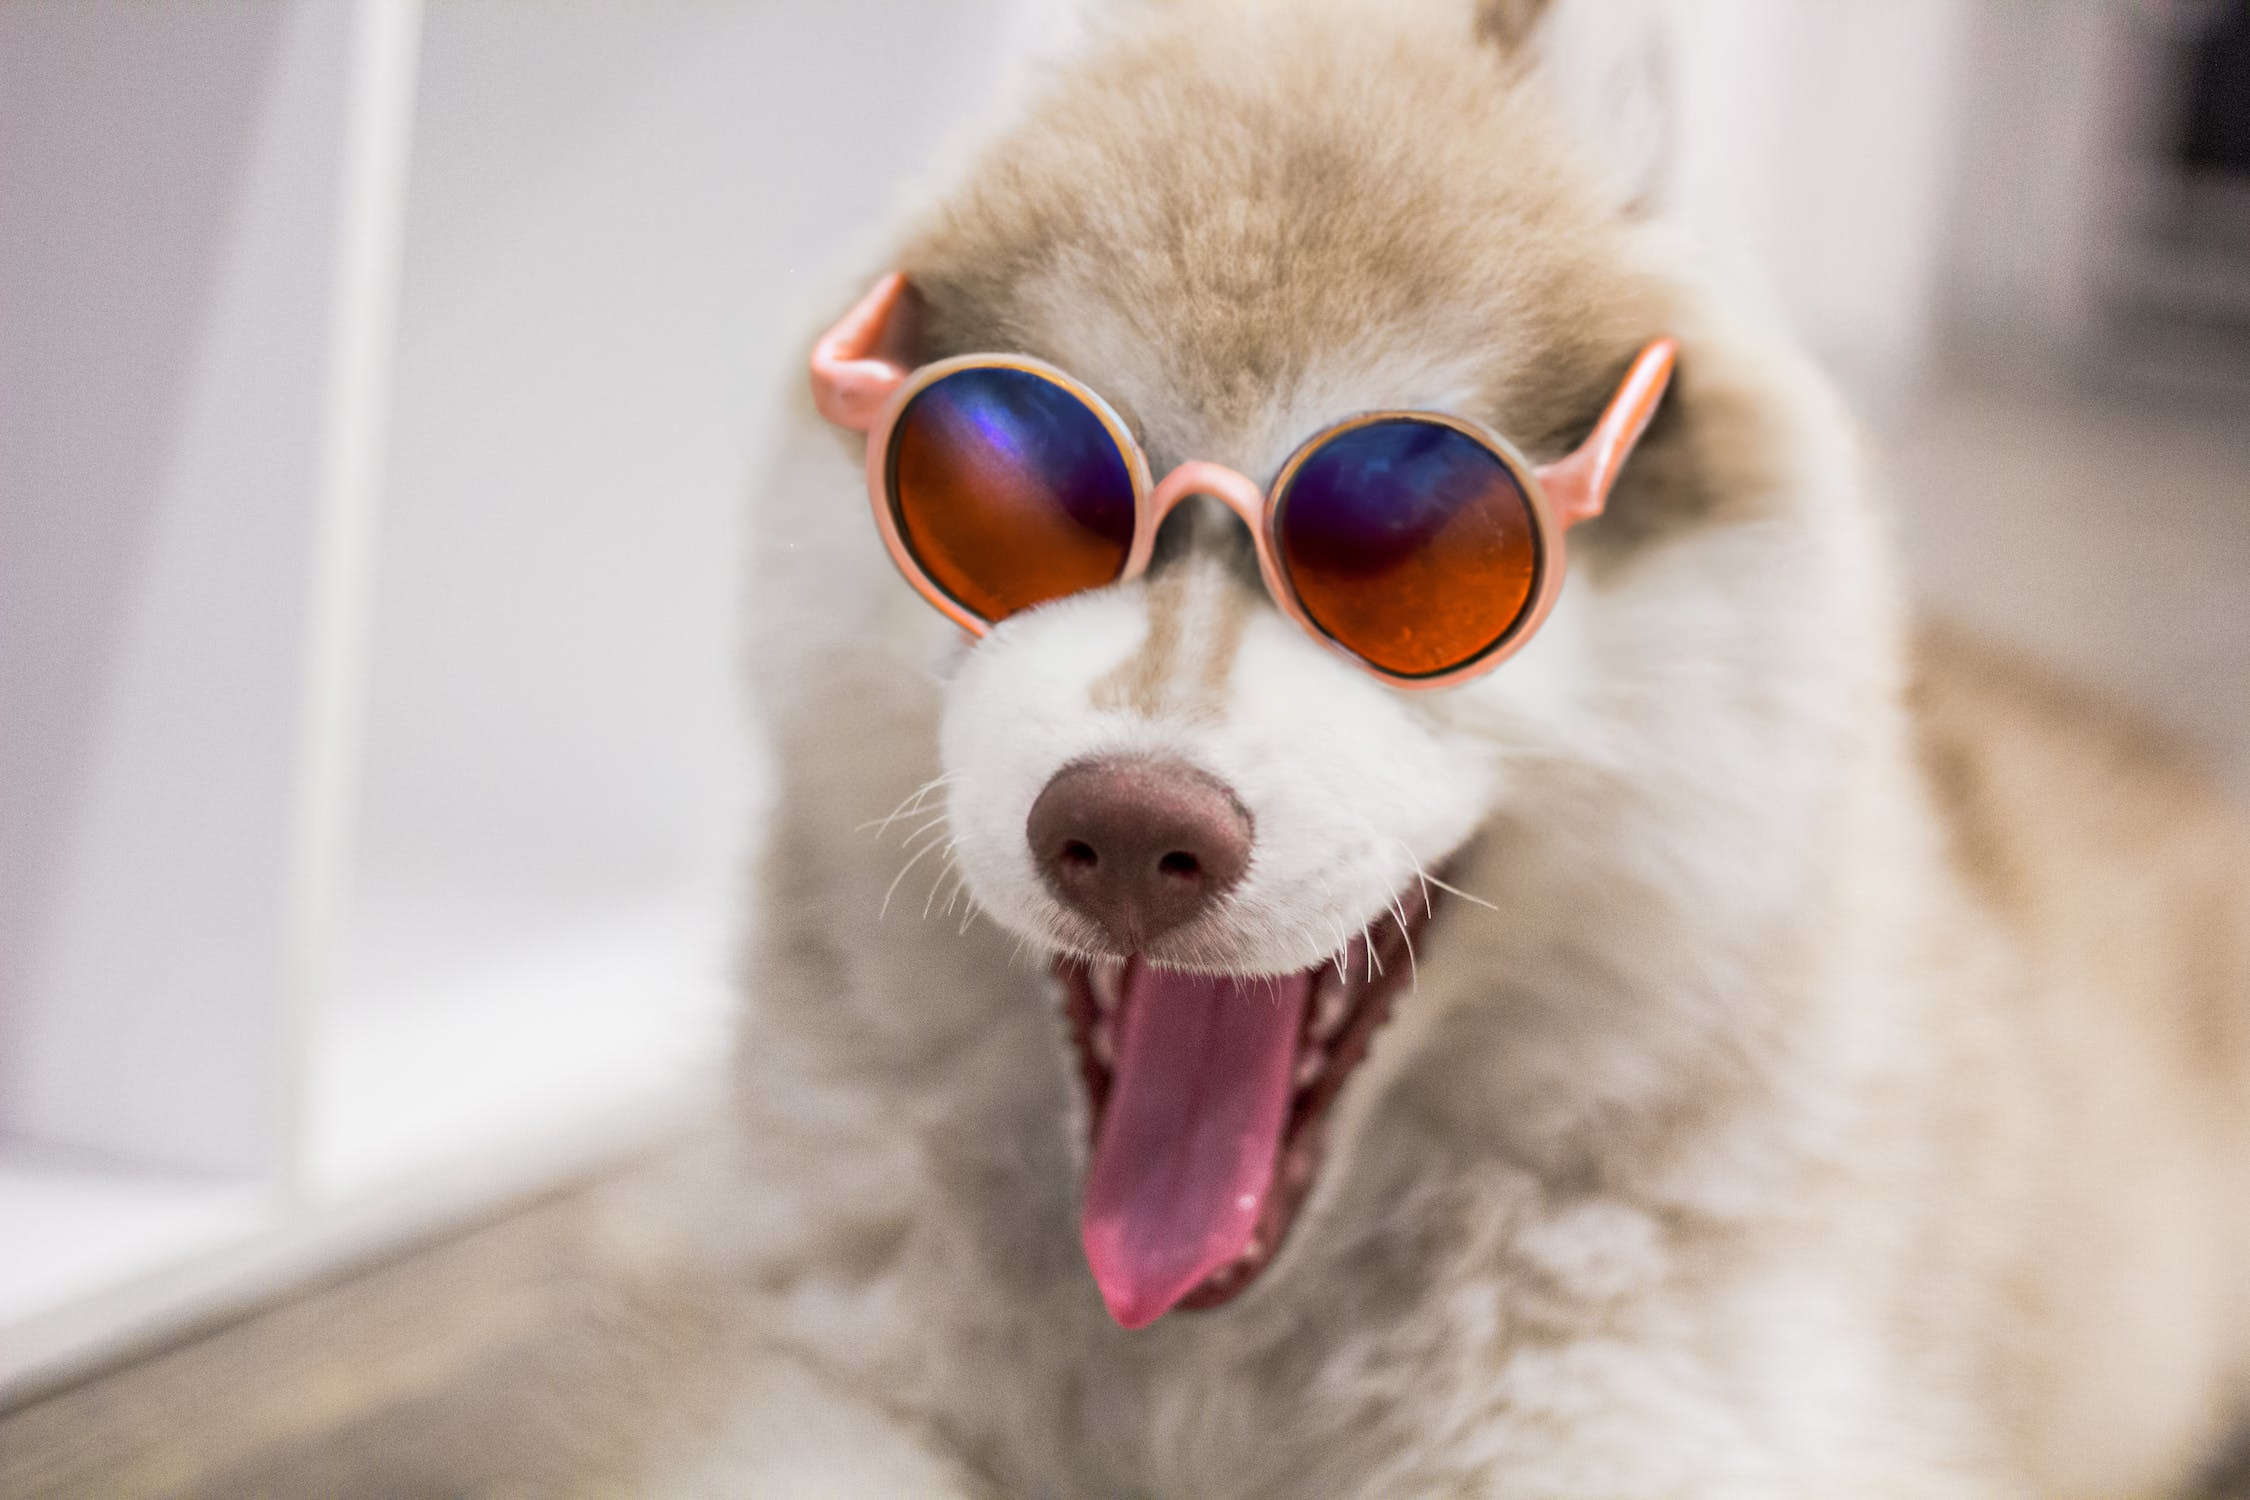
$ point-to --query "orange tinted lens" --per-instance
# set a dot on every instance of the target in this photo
(1009, 490)
(1410, 544)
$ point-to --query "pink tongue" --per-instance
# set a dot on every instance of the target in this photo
(1188, 1139)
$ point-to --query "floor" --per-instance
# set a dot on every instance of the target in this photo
(2108, 530)
(388, 1383)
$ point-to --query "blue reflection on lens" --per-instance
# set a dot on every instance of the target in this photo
(1010, 490)
(1410, 543)
(1371, 497)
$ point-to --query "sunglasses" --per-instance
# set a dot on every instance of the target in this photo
(1420, 545)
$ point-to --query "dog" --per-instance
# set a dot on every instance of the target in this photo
(1749, 1045)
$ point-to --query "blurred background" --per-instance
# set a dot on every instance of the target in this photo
(380, 385)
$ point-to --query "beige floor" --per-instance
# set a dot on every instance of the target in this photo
(429, 1374)
(2112, 533)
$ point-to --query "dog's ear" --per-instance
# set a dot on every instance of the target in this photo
(1508, 24)
(1608, 67)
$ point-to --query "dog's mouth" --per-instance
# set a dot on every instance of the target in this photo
(1207, 1096)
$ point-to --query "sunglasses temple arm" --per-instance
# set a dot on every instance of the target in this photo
(853, 371)
(1578, 486)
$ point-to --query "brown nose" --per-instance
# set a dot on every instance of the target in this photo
(1140, 846)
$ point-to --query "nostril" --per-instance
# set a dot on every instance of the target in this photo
(1139, 846)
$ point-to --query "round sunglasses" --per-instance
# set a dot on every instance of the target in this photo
(1419, 544)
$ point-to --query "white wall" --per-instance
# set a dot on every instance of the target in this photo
(620, 216)
(617, 214)
(2055, 151)
(1817, 143)
(174, 185)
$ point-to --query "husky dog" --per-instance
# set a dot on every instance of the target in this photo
(1733, 1048)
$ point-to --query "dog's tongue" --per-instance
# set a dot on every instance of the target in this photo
(1188, 1137)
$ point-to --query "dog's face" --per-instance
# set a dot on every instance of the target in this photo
(1238, 232)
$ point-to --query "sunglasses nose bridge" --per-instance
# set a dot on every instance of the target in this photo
(1231, 488)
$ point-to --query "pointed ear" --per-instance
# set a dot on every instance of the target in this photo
(1608, 67)
(862, 361)
(1578, 486)
(1508, 24)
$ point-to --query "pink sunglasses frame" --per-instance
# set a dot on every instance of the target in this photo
(858, 385)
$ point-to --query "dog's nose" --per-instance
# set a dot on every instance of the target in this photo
(1140, 846)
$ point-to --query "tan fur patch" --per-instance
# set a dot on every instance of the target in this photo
(1196, 615)
(2096, 837)
(1137, 682)
(1508, 23)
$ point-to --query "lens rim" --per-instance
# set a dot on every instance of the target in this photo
(1264, 518)
(1547, 536)
(882, 458)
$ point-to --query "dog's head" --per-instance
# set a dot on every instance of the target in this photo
(1240, 225)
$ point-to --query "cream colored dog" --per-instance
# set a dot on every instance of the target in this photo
(1833, 1077)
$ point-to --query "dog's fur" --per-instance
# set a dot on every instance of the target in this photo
(1844, 1090)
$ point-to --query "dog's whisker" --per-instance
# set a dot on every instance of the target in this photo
(892, 890)
(1457, 891)
(909, 841)
(946, 867)
(1406, 932)
(1421, 875)
(935, 839)
(908, 805)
